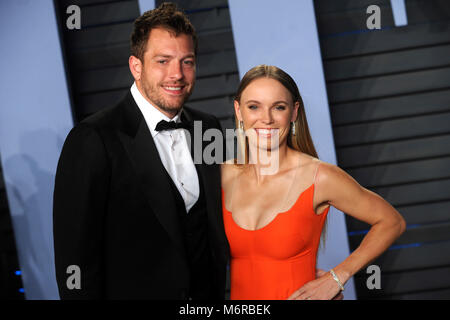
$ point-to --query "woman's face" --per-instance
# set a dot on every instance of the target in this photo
(266, 107)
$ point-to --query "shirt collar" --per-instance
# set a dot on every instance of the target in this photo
(151, 114)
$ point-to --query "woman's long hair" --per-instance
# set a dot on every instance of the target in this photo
(302, 141)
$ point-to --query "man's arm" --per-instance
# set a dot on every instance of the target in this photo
(79, 205)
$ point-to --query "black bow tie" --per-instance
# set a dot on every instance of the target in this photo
(165, 125)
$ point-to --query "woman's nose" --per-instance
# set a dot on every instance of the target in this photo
(267, 117)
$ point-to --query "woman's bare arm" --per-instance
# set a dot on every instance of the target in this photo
(342, 192)
(337, 188)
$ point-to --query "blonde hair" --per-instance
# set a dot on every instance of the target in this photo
(302, 140)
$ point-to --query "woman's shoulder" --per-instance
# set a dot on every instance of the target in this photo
(328, 179)
(331, 176)
(306, 163)
(229, 171)
(228, 166)
(314, 169)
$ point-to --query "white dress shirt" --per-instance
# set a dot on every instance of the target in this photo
(173, 150)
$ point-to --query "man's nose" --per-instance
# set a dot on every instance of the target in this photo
(176, 70)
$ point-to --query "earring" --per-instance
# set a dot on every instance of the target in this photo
(241, 144)
(293, 129)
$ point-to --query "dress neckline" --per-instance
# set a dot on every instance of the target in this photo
(274, 218)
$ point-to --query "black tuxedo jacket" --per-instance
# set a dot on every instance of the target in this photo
(115, 216)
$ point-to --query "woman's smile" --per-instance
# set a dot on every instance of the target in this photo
(266, 132)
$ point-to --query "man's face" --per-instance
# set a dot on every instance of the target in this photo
(168, 72)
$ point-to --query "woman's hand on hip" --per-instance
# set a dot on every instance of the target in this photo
(324, 287)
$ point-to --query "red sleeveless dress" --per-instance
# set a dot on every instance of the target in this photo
(272, 262)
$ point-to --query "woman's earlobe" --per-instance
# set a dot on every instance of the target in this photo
(295, 114)
(237, 110)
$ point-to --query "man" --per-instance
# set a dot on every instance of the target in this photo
(131, 210)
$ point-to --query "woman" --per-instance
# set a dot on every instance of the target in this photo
(274, 217)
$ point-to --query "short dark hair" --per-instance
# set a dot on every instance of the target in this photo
(166, 16)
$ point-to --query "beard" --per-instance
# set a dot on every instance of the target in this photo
(154, 94)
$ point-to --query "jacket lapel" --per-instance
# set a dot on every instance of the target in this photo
(150, 172)
(210, 177)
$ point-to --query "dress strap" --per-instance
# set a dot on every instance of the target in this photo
(315, 173)
(292, 183)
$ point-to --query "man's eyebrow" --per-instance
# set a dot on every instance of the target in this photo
(191, 55)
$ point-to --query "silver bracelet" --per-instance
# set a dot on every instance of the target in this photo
(337, 279)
